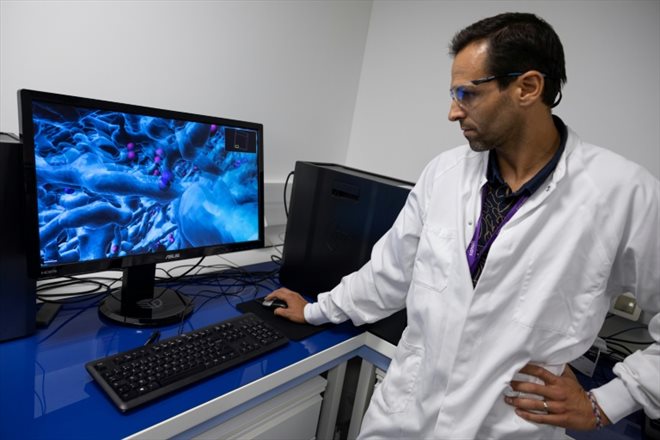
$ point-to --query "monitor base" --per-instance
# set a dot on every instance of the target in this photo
(164, 308)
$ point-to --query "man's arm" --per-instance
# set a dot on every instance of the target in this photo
(637, 385)
(635, 270)
(379, 288)
(565, 403)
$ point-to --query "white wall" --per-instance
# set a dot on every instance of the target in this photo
(611, 99)
(302, 69)
(292, 65)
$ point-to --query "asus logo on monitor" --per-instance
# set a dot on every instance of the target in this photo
(48, 272)
(172, 256)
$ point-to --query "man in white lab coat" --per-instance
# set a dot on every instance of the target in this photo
(507, 255)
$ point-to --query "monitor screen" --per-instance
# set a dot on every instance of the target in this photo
(119, 186)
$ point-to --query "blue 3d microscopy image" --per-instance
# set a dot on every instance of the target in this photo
(116, 184)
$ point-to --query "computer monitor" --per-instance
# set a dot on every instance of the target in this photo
(119, 186)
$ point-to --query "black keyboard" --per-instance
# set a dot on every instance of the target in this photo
(138, 376)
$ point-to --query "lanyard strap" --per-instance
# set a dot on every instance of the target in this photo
(473, 253)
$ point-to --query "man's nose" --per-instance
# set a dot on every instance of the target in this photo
(456, 113)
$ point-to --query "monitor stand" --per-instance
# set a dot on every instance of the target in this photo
(140, 303)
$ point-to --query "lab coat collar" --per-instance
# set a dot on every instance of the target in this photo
(493, 171)
(570, 140)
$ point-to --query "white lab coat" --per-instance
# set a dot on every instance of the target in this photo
(588, 234)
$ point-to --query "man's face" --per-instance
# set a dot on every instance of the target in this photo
(484, 112)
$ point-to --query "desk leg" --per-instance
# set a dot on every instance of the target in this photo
(331, 400)
(363, 392)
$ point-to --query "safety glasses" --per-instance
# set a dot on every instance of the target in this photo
(464, 95)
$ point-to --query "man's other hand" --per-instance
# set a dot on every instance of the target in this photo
(565, 403)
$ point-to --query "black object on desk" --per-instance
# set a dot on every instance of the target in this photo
(337, 214)
(135, 377)
(46, 313)
(292, 330)
(17, 289)
(390, 328)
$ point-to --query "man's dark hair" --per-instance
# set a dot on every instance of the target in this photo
(518, 42)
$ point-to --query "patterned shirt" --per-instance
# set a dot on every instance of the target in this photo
(498, 199)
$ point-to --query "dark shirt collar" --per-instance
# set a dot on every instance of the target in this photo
(493, 173)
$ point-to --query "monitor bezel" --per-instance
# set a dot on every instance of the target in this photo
(27, 97)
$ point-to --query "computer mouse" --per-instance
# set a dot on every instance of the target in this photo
(274, 304)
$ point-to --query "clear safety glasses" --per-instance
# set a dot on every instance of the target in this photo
(464, 95)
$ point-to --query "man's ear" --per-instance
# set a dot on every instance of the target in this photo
(530, 87)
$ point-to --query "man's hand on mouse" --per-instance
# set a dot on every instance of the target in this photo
(295, 304)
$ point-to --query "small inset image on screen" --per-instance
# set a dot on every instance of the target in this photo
(244, 141)
(112, 184)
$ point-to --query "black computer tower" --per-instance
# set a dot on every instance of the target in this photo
(17, 290)
(336, 216)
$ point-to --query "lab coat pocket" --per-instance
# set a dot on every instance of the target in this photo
(435, 257)
(400, 383)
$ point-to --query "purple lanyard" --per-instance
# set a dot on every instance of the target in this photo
(473, 256)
